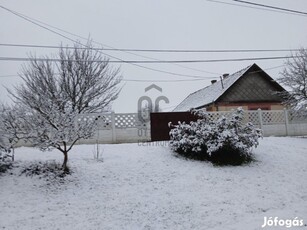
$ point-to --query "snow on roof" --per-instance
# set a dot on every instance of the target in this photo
(210, 93)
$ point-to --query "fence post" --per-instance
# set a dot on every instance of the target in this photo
(260, 118)
(286, 121)
(113, 127)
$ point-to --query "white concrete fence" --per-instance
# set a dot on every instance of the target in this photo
(273, 122)
(126, 127)
(118, 128)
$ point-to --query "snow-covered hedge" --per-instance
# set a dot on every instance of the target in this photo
(226, 141)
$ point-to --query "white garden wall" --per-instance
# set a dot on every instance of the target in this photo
(127, 127)
(119, 128)
(273, 122)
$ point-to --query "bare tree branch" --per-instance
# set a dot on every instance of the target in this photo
(294, 76)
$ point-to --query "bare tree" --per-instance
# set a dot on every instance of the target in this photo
(12, 129)
(294, 76)
(58, 95)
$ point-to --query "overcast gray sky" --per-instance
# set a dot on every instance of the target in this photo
(155, 24)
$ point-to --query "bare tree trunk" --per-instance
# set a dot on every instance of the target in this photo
(13, 154)
(65, 152)
(64, 166)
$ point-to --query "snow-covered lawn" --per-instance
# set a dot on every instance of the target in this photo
(148, 187)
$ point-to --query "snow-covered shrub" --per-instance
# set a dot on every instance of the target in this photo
(189, 139)
(231, 141)
(5, 159)
(50, 170)
(5, 154)
(226, 141)
(5, 166)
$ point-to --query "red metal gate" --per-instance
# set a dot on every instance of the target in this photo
(159, 123)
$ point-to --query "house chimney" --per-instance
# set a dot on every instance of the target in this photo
(213, 81)
(225, 75)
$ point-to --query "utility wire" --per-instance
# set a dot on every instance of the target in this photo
(134, 80)
(164, 80)
(9, 75)
(272, 7)
(115, 49)
(147, 62)
(111, 56)
(252, 7)
(112, 48)
(189, 80)
(154, 50)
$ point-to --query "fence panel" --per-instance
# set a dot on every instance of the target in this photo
(126, 120)
(273, 117)
(253, 117)
(117, 128)
(297, 117)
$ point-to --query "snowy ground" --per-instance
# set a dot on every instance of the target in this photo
(148, 187)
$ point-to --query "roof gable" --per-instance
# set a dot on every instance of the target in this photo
(214, 92)
(254, 86)
(210, 93)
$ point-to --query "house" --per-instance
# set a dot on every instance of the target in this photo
(250, 88)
